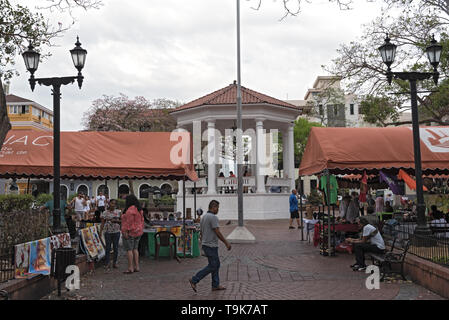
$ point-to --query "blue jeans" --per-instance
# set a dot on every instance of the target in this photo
(213, 267)
(111, 238)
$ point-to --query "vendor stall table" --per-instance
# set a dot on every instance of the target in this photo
(165, 251)
(342, 227)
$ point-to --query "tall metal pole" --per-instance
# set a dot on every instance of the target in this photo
(422, 227)
(184, 215)
(299, 188)
(239, 128)
(329, 231)
(56, 158)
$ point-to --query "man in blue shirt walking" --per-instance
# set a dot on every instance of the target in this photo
(294, 214)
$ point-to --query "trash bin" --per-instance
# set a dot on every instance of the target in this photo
(62, 258)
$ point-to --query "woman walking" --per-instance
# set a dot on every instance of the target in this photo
(110, 223)
(132, 230)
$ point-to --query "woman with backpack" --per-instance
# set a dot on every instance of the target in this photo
(132, 230)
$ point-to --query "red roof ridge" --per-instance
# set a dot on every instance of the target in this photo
(220, 93)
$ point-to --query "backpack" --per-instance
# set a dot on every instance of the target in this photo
(132, 221)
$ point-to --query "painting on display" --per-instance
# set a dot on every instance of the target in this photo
(97, 242)
(40, 257)
(180, 242)
(102, 238)
(22, 259)
(88, 242)
(64, 240)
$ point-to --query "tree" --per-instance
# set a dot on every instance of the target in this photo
(301, 132)
(323, 104)
(360, 65)
(19, 26)
(122, 114)
(293, 8)
(5, 125)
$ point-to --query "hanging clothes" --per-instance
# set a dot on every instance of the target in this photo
(392, 183)
(333, 188)
(411, 183)
(363, 187)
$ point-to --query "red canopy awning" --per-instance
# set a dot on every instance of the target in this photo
(99, 155)
(353, 150)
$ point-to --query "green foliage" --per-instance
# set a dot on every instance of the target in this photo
(164, 201)
(43, 198)
(15, 202)
(377, 110)
(314, 198)
(441, 260)
(121, 203)
(71, 197)
(301, 134)
(19, 25)
(410, 25)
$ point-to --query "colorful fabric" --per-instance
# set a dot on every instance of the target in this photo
(22, 260)
(411, 183)
(333, 188)
(180, 242)
(40, 257)
(392, 183)
(363, 187)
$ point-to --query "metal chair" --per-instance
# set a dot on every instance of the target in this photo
(164, 241)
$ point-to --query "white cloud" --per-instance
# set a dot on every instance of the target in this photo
(185, 49)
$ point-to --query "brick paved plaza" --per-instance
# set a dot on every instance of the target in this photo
(278, 267)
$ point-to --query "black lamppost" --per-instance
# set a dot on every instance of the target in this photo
(388, 52)
(31, 58)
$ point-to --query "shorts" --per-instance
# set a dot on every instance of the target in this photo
(79, 215)
(294, 214)
(132, 243)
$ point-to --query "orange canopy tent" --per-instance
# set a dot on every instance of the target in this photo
(99, 155)
(354, 150)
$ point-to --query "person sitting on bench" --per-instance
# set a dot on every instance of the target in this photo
(371, 241)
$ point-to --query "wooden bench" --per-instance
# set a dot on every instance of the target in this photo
(396, 256)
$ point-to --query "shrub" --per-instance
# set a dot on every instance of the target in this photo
(314, 198)
(164, 201)
(16, 202)
(42, 199)
(71, 197)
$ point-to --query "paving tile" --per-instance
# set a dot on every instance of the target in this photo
(277, 267)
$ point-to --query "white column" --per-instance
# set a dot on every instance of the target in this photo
(260, 156)
(211, 158)
(196, 136)
(291, 157)
(285, 153)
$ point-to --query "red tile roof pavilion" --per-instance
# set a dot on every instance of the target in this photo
(228, 96)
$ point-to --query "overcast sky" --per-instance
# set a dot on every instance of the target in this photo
(182, 50)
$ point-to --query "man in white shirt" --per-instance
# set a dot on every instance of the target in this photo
(78, 203)
(101, 206)
(371, 241)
